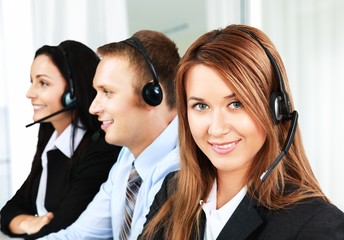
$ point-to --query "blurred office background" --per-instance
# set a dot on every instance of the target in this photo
(308, 33)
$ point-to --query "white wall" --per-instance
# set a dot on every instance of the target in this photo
(17, 44)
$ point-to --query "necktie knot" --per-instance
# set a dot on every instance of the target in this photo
(134, 177)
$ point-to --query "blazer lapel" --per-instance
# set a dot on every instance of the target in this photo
(58, 178)
(243, 222)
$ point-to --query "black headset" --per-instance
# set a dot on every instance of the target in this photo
(68, 98)
(279, 100)
(151, 92)
(279, 107)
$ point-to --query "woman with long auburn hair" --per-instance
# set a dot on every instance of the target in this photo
(236, 117)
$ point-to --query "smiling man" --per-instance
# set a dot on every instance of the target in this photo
(136, 104)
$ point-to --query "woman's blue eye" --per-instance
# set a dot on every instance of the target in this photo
(201, 106)
(235, 105)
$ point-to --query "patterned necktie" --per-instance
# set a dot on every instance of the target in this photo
(133, 186)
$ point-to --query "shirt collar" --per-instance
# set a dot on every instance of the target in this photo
(210, 203)
(157, 150)
(226, 210)
(64, 141)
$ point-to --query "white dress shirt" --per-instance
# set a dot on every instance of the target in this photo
(217, 218)
(64, 144)
(104, 215)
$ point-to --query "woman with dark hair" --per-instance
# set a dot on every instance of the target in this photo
(72, 158)
(237, 120)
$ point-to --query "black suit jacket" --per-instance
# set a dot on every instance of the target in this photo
(310, 219)
(68, 191)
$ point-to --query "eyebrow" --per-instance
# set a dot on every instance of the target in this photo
(100, 87)
(104, 87)
(196, 99)
(201, 99)
(230, 96)
(42, 75)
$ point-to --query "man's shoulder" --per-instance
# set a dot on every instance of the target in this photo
(170, 163)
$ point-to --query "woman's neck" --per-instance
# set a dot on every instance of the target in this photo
(228, 185)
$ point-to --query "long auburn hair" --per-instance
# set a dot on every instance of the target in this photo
(244, 65)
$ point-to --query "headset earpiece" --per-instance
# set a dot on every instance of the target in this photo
(151, 92)
(279, 106)
(68, 98)
(275, 107)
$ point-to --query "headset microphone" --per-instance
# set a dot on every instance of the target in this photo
(70, 106)
(285, 148)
